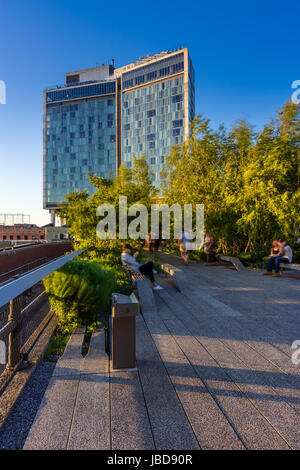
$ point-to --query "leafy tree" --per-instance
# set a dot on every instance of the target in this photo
(248, 182)
(80, 212)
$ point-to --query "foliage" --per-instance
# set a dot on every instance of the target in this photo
(247, 181)
(80, 213)
(57, 345)
(78, 291)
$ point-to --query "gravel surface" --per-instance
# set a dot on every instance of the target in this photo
(17, 426)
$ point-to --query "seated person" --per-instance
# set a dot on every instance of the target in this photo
(275, 251)
(132, 263)
(285, 256)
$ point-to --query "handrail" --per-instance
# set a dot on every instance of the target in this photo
(26, 281)
(23, 266)
(12, 249)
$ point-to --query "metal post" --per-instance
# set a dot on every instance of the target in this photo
(14, 344)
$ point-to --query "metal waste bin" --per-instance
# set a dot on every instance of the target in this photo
(123, 332)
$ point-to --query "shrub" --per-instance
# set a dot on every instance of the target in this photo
(78, 292)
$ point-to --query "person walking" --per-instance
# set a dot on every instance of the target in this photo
(184, 246)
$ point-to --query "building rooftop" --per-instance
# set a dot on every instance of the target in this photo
(108, 72)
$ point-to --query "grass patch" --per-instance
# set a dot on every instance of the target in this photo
(56, 346)
(87, 337)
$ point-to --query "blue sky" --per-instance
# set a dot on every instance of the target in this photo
(245, 55)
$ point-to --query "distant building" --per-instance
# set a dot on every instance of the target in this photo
(21, 232)
(56, 233)
(104, 116)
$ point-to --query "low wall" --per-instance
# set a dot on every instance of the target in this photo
(12, 259)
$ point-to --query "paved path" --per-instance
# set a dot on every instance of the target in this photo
(214, 371)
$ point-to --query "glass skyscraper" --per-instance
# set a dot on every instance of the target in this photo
(105, 116)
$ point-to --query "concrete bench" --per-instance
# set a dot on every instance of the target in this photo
(293, 267)
(142, 288)
(175, 274)
(235, 261)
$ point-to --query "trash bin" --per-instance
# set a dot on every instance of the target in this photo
(123, 332)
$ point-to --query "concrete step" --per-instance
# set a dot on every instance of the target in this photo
(130, 427)
(90, 429)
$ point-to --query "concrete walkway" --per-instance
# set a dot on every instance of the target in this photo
(214, 371)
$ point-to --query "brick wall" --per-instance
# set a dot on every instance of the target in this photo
(21, 232)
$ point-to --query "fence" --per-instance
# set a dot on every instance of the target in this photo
(13, 329)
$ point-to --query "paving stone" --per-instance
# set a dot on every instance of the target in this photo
(91, 422)
(50, 430)
(245, 418)
(211, 428)
(145, 294)
(96, 360)
(130, 427)
(170, 427)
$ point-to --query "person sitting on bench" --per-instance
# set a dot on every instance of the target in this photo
(285, 256)
(132, 263)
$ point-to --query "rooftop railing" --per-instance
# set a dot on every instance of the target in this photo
(69, 85)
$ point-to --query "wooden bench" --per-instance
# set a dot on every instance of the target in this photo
(235, 261)
(132, 275)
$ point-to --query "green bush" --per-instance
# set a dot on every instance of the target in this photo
(296, 254)
(78, 292)
(249, 259)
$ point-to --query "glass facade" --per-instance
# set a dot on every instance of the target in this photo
(80, 138)
(83, 133)
(191, 75)
(153, 121)
(154, 71)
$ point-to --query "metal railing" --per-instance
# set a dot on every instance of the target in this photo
(12, 303)
(23, 268)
